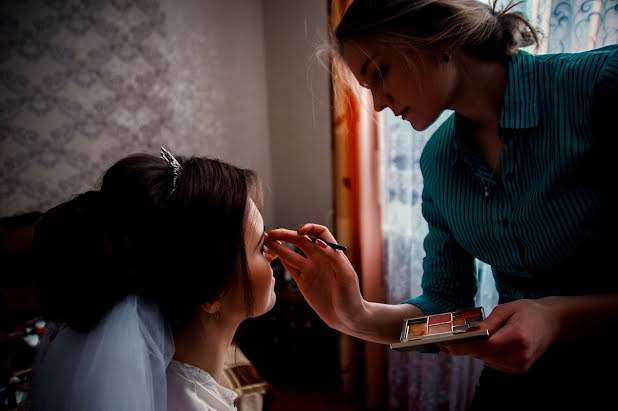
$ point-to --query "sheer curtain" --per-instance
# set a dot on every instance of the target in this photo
(439, 382)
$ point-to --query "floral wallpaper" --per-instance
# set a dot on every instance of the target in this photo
(85, 82)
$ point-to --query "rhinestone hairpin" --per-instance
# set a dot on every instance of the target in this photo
(176, 168)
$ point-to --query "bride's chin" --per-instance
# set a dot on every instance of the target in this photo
(273, 300)
(267, 307)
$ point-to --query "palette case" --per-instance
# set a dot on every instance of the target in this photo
(423, 333)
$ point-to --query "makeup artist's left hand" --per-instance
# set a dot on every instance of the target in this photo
(519, 333)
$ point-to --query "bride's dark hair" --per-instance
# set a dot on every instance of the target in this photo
(134, 235)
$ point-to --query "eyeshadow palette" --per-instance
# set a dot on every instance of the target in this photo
(422, 333)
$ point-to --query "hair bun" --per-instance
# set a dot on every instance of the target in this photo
(81, 269)
(516, 31)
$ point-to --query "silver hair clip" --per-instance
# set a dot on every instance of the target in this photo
(176, 168)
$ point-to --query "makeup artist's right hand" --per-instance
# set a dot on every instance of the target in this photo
(520, 333)
(325, 277)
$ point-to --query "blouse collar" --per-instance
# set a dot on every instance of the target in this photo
(204, 379)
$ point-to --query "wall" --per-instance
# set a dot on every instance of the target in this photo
(298, 110)
(84, 83)
(218, 50)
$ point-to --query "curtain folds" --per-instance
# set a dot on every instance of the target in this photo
(357, 217)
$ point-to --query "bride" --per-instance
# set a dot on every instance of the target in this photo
(148, 278)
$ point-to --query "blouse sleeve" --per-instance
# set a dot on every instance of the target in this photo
(604, 103)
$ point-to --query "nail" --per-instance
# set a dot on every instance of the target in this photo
(332, 245)
(321, 243)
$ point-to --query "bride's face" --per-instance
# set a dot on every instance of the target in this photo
(261, 279)
(261, 276)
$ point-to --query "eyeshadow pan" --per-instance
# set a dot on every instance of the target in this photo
(471, 315)
(417, 330)
(461, 328)
(459, 321)
(441, 318)
(471, 312)
(440, 328)
(474, 320)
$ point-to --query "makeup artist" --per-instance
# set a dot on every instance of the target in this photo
(521, 177)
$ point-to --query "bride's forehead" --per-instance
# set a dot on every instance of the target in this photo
(254, 217)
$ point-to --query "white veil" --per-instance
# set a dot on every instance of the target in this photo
(119, 365)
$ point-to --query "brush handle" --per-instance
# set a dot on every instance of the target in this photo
(331, 245)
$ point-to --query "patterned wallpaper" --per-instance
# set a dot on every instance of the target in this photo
(85, 82)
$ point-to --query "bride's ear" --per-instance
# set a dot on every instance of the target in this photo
(212, 308)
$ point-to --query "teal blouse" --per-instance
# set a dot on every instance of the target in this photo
(547, 223)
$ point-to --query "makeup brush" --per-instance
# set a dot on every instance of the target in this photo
(331, 245)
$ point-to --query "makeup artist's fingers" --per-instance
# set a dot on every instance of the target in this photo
(293, 271)
(498, 356)
(513, 339)
(268, 253)
(318, 231)
(499, 316)
(496, 320)
(479, 349)
(286, 255)
(289, 236)
(493, 323)
(471, 348)
(502, 367)
(519, 339)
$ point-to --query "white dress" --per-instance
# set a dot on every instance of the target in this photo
(190, 388)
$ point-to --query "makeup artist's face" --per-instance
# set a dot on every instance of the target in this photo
(418, 87)
(260, 271)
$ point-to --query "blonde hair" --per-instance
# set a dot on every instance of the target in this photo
(424, 25)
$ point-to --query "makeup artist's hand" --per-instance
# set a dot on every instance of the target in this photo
(325, 277)
(519, 333)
